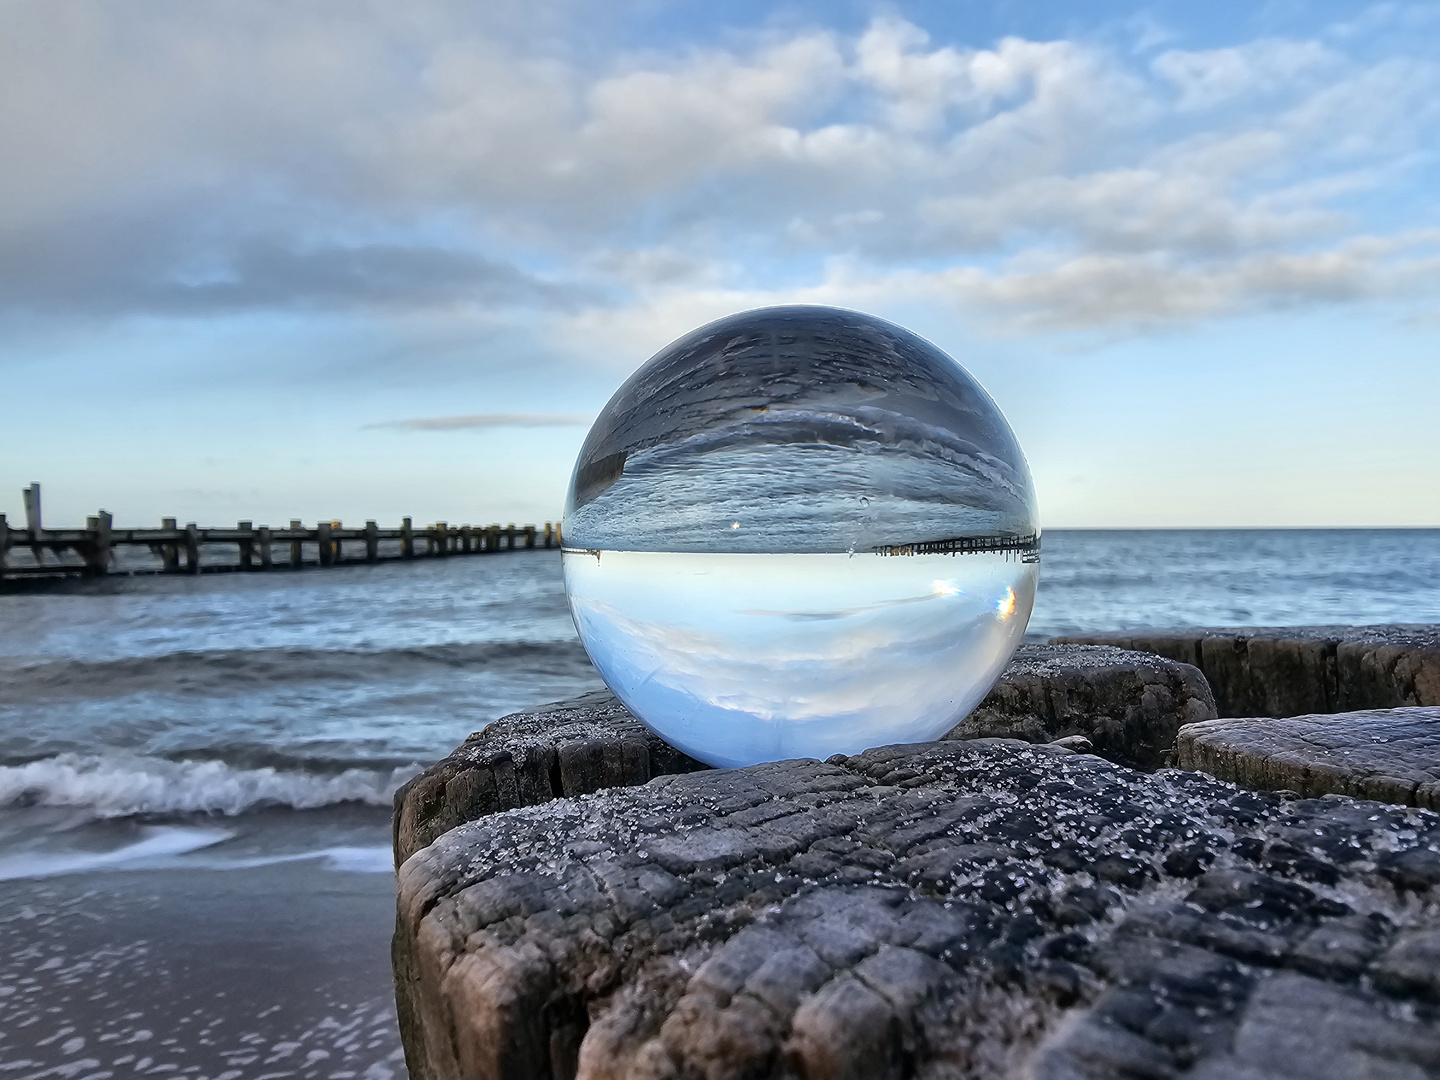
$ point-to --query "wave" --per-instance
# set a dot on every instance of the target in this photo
(160, 845)
(157, 843)
(114, 785)
(204, 672)
(344, 858)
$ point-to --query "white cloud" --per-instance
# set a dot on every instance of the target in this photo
(1212, 77)
(1091, 291)
(654, 128)
(1127, 209)
(175, 160)
(1038, 294)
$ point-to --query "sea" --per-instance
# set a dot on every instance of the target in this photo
(196, 772)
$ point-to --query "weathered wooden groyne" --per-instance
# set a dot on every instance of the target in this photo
(577, 899)
(177, 549)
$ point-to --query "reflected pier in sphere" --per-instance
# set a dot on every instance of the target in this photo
(1025, 548)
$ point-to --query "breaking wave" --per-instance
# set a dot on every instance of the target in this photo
(123, 785)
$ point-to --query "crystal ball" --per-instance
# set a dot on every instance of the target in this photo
(797, 532)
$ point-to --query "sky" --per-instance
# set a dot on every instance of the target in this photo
(359, 259)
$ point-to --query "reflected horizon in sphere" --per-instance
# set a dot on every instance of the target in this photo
(797, 532)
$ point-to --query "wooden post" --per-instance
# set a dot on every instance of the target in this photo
(97, 550)
(407, 539)
(247, 545)
(4, 546)
(105, 542)
(169, 552)
(264, 541)
(559, 540)
(32, 520)
(297, 551)
(322, 538)
(510, 537)
(466, 538)
(442, 537)
(336, 548)
(192, 549)
(529, 536)
(549, 534)
(372, 542)
(32, 508)
(107, 530)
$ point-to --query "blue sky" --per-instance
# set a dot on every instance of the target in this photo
(353, 260)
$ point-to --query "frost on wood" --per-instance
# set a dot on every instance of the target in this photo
(569, 748)
(985, 908)
(1130, 706)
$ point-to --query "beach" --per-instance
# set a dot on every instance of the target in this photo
(279, 970)
(196, 774)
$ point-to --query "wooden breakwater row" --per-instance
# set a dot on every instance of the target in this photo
(177, 549)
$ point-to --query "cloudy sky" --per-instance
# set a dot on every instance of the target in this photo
(364, 259)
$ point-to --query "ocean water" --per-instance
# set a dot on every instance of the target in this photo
(738, 658)
(148, 715)
(195, 787)
(211, 759)
(144, 720)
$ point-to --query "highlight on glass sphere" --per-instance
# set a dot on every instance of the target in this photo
(798, 532)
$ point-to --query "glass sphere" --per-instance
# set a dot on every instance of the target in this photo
(797, 532)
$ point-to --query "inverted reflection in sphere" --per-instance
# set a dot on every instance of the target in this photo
(800, 531)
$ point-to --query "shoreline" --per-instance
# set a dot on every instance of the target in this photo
(277, 970)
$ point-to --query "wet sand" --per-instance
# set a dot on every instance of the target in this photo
(267, 972)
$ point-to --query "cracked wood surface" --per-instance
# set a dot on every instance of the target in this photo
(980, 909)
(1130, 705)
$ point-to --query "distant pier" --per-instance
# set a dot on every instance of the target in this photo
(38, 552)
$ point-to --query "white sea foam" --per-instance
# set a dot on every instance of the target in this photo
(157, 843)
(360, 860)
(376, 859)
(113, 785)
